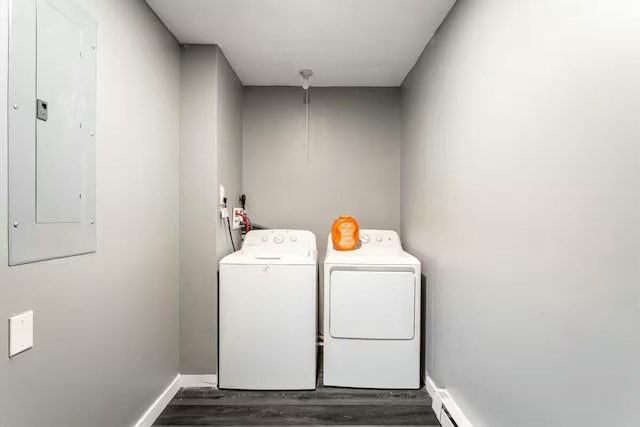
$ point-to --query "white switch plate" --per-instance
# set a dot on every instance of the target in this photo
(223, 194)
(20, 333)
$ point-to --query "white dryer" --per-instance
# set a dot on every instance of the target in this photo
(372, 314)
(268, 312)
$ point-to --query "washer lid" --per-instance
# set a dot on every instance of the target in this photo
(275, 247)
(375, 247)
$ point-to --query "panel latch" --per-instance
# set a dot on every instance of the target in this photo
(42, 110)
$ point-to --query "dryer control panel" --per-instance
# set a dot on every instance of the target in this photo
(379, 239)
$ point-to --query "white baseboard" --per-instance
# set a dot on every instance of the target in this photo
(165, 397)
(188, 381)
(445, 408)
(160, 403)
(430, 386)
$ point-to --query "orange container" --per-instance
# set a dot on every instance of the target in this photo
(345, 233)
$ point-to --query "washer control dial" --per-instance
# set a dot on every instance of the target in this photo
(365, 238)
(278, 239)
(293, 239)
(378, 239)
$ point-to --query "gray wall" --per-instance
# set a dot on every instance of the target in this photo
(521, 167)
(198, 211)
(210, 153)
(106, 324)
(353, 167)
(229, 146)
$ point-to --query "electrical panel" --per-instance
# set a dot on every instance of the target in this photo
(52, 130)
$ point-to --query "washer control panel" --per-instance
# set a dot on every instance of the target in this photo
(279, 239)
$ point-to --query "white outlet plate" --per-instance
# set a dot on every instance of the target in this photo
(20, 333)
(236, 219)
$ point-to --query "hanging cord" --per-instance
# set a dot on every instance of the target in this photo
(306, 74)
(307, 122)
(233, 245)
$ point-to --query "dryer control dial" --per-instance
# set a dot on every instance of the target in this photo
(278, 238)
(378, 239)
(365, 238)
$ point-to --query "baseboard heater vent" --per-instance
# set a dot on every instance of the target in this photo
(446, 419)
(445, 408)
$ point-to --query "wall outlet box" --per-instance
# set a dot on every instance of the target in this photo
(237, 219)
(20, 333)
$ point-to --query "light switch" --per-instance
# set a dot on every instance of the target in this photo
(20, 333)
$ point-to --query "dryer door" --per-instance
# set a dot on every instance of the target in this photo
(372, 305)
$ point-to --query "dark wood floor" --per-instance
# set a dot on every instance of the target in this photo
(325, 406)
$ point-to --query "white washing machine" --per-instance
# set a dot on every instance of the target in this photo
(268, 312)
(372, 314)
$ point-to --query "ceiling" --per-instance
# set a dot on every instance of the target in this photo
(344, 42)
